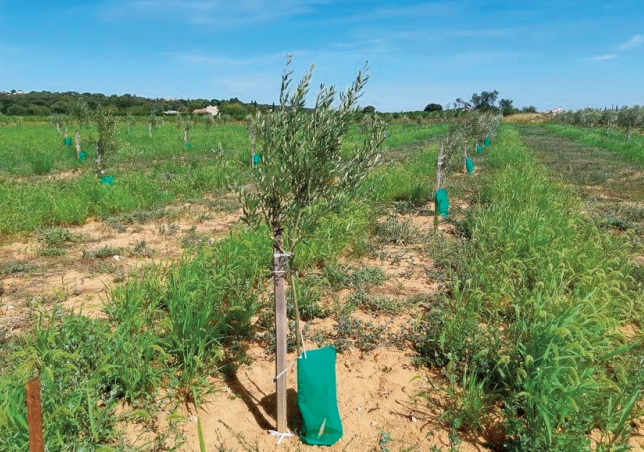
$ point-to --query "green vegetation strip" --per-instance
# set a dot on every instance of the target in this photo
(173, 326)
(149, 173)
(531, 330)
(631, 150)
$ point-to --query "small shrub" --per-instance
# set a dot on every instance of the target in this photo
(396, 232)
(57, 237)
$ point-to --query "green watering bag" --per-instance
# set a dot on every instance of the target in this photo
(317, 398)
(487, 141)
(469, 165)
(479, 148)
(257, 159)
(442, 203)
(68, 141)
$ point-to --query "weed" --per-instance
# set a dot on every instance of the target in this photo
(142, 249)
(103, 253)
(16, 267)
(57, 237)
(392, 230)
(383, 440)
(365, 336)
(52, 252)
(169, 230)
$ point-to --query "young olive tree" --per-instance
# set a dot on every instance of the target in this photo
(208, 121)
(630, 118)
(58, 120)
(129, 121)
(106, 145)
(185, 123)
(81, 115)
(608, 119)
(305, 174)
(153, 123)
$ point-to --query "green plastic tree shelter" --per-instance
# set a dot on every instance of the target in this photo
(487, 141)
(469, 165)
(442, 203)
(317, 397)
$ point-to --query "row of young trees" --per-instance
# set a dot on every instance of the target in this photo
(629, 119)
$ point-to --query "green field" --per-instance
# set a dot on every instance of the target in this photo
(42, 183)
(533, 329)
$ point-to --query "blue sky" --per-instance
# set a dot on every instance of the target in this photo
(545, 53)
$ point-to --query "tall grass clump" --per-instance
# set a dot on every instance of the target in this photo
(71, 354)
(537, 314)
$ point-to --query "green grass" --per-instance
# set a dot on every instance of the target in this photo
(173, 326)
(632, 150)
(535, 317)
(610, 187)
(43, 185)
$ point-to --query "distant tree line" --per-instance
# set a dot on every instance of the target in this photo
(485, 101)
(45, 103)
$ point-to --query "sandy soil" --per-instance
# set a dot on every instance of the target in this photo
(385, 401)
(382, 396)
(79, 282)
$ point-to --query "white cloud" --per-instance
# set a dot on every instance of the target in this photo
(635, 41)
(221, 13)
(608, 56)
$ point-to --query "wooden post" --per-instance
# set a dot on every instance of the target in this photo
(185, 136)
(439, 182)
(150, 129)
(77, 142)
(280, 330)
(439, 168)
(465, 159)
(34, 416)
(99, 160)
(251, 135)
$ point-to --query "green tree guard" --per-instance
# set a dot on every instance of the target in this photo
(487, 141)
(317, 397)
(469, 165)
(442, 203)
